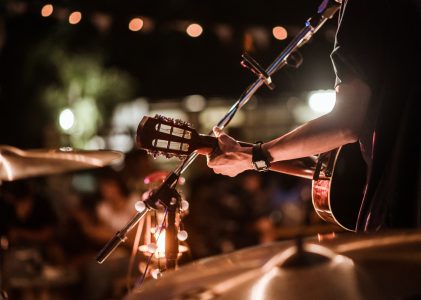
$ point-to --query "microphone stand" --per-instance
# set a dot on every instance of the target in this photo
(289, 56)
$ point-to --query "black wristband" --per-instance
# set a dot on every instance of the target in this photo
(259, 160)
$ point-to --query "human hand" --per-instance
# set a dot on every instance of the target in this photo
(230, 158)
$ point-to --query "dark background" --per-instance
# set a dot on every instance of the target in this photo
(162, 63)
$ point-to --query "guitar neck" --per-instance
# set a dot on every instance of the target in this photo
(208, 141)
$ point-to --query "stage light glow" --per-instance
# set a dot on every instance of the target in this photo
(194, 30)
(66, 119)
(95, 143)
(194, 103)
(135, 24)
(75, 17)
(126, 115)
(120, 141)
(322, 101)
(280, 33)
(157, 249)
(47, 10)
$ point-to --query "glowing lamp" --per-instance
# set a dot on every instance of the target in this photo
(66, 119)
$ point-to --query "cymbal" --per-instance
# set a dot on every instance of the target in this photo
(345, 266)
(18, 164)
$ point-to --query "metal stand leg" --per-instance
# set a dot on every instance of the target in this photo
(171, 241)
(4, 243)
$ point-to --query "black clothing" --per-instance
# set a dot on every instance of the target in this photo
(378, 42)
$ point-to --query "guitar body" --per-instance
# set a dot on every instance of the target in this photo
(337, 196)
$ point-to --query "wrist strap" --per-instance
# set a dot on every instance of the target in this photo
(260, 161)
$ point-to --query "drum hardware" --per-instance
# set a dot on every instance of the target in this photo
(384, 265)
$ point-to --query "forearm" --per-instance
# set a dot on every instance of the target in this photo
(317, 136)
(330, 131)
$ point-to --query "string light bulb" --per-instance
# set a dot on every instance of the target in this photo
(47, 10)
(135, 24)
(194, 30)
(75, 17)
(280, 33)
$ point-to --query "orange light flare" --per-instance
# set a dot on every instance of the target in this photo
(280, 33)
(157, 249)
(75, 17)
(135, 24)
(194, 30)
(326, 236)
(160, 237)
(47, 10)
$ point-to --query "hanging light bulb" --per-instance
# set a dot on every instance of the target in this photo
(182, 235)
(184, 205)
(140, 206)
(151, 248)
(47, 10)
(156, 273)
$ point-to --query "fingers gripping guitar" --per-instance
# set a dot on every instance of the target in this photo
(230, 157)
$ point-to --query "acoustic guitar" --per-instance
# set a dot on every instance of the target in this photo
(338, 176)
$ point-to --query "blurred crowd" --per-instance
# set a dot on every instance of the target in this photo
(52, 228)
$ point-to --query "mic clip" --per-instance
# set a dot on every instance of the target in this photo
(249, 63)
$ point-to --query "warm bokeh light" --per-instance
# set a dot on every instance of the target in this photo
(75, 17)
(322, 101)
(280, 33)
(47, 10)
(160, 236)
(136, 24)
(194, 103)
(194, 30)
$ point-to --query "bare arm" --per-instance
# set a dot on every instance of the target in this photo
(341, 126)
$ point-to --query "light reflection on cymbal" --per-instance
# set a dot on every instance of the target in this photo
(18, 164)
